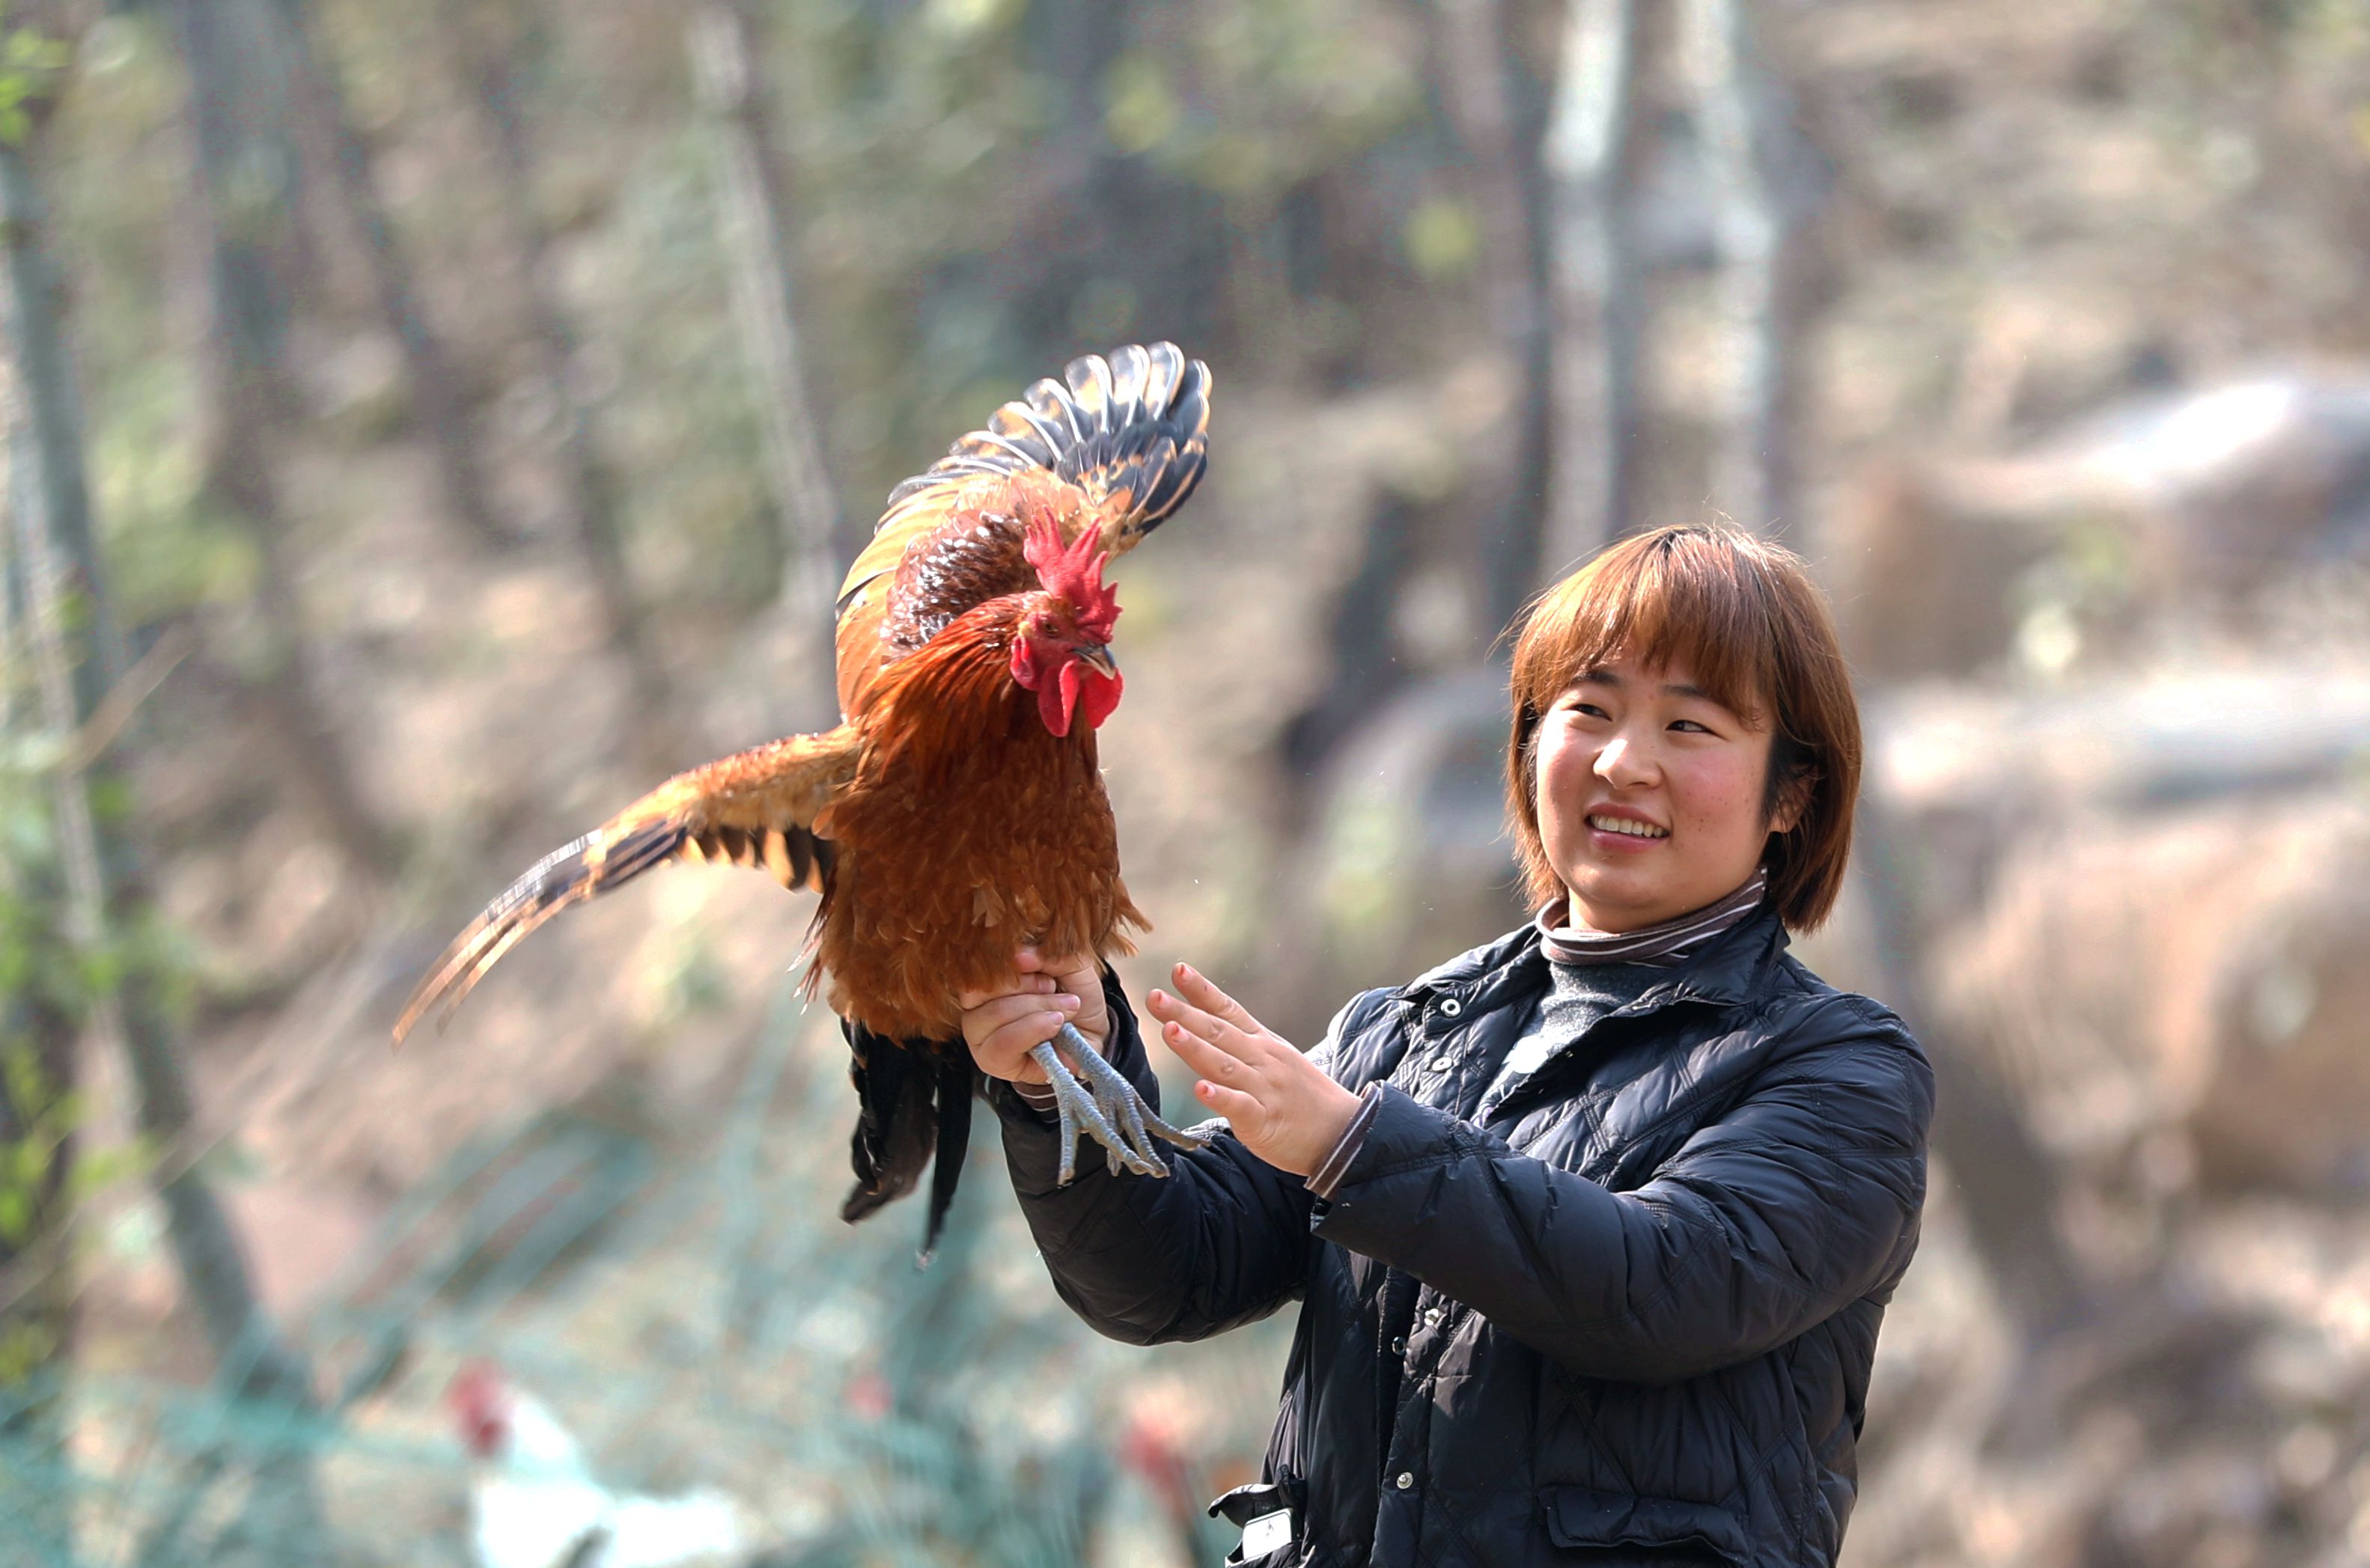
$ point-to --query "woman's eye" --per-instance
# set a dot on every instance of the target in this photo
(1689, 724)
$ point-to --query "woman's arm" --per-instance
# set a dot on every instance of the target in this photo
(1221, 1240)
(1794, 1204)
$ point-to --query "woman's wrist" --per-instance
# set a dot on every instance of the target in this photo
(1327, 1177)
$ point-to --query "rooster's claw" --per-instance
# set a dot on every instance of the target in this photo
(1111, 1112)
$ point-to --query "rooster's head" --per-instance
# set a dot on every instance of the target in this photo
(481, 1408)
(1062, 651)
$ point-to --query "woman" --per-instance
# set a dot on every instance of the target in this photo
(1594, 1224)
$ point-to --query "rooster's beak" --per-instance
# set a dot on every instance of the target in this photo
(1097, 657)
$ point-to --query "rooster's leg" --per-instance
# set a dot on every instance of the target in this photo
(1113, 1112)
(1111, 1086)
(1077, 1108)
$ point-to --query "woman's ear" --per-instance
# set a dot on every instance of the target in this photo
(1794, 798)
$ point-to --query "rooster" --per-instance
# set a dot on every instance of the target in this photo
(956, 811)
(535, 1505)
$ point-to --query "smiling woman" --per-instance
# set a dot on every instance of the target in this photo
(1688, 681)
(1594, 1225)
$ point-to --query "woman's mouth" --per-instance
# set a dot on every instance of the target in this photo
(1627, 827)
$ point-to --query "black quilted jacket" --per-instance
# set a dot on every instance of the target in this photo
(1628, 1321)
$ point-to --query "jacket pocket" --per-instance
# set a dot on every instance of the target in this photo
(1269, 1514)
(1617, 1525)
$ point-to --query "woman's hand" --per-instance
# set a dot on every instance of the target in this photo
(1280, 1103)
(1002, 1027)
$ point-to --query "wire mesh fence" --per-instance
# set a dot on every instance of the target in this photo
(690, 1309)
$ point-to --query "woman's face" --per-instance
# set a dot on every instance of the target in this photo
(1650, 794)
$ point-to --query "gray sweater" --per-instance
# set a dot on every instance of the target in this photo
(1580, 994)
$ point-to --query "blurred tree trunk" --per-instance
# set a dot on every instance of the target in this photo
(37, 1142)
(2006, 1180)
(249, 377)
(39, 1029)
(1361, 643)
(435, 391)
(1761, 193)
(106, 899)
(727, 59)
(1591, 259)
(1476, 62)
(495, 37)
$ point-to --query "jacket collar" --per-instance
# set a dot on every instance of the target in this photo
(1727, 973)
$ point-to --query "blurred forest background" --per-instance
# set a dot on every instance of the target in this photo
(430, 425)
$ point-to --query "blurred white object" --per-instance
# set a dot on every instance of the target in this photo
(535, 1505)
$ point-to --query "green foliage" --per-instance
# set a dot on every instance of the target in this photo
(49, 1167)
(43, 1114)
(29, 64)
(1443, 237)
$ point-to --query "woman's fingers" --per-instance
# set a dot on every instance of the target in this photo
(1001, 1030)
(1009, 1046)
(1204, 993)
(989, 1016)
(1237, 1107)
(1204, 1025)
(1198, 1053)
(1027, 985)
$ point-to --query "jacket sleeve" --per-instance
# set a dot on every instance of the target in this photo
(1220, 1240)
(1798, 1201)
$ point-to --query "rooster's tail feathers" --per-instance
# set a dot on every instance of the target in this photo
(1131, 431)
(913, 1105)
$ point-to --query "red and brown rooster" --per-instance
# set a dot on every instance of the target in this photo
(956, 811)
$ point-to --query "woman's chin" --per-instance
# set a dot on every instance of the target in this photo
(1612, 903)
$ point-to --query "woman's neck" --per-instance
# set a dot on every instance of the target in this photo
(1663, 942)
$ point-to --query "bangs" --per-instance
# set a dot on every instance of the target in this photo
(1662, 598)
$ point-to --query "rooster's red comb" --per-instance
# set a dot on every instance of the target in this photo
(1074, 575)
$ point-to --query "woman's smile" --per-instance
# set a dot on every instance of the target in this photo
(1619, 832)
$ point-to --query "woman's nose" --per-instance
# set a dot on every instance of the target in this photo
(1622, 763)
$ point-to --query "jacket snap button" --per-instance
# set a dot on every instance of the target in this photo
(1451, 1008)
(1407, 1479)
(1398, 1345)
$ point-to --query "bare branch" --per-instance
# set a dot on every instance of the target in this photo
(727, 60)
(435, 390)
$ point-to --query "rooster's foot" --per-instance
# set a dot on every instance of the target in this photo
(1112, 1112)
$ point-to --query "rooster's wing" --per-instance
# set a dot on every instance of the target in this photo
(1117, 444)
(756, 808)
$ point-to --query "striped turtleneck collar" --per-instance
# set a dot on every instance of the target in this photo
(1665, 943)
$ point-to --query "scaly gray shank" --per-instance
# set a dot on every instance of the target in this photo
(1111, 1112)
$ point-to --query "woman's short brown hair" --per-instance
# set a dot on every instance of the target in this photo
(1745, 617)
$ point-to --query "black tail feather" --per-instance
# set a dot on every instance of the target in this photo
(896, 1120)
(958, 1082)
(914, 1109)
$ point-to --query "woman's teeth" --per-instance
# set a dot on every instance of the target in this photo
(1636, 830)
